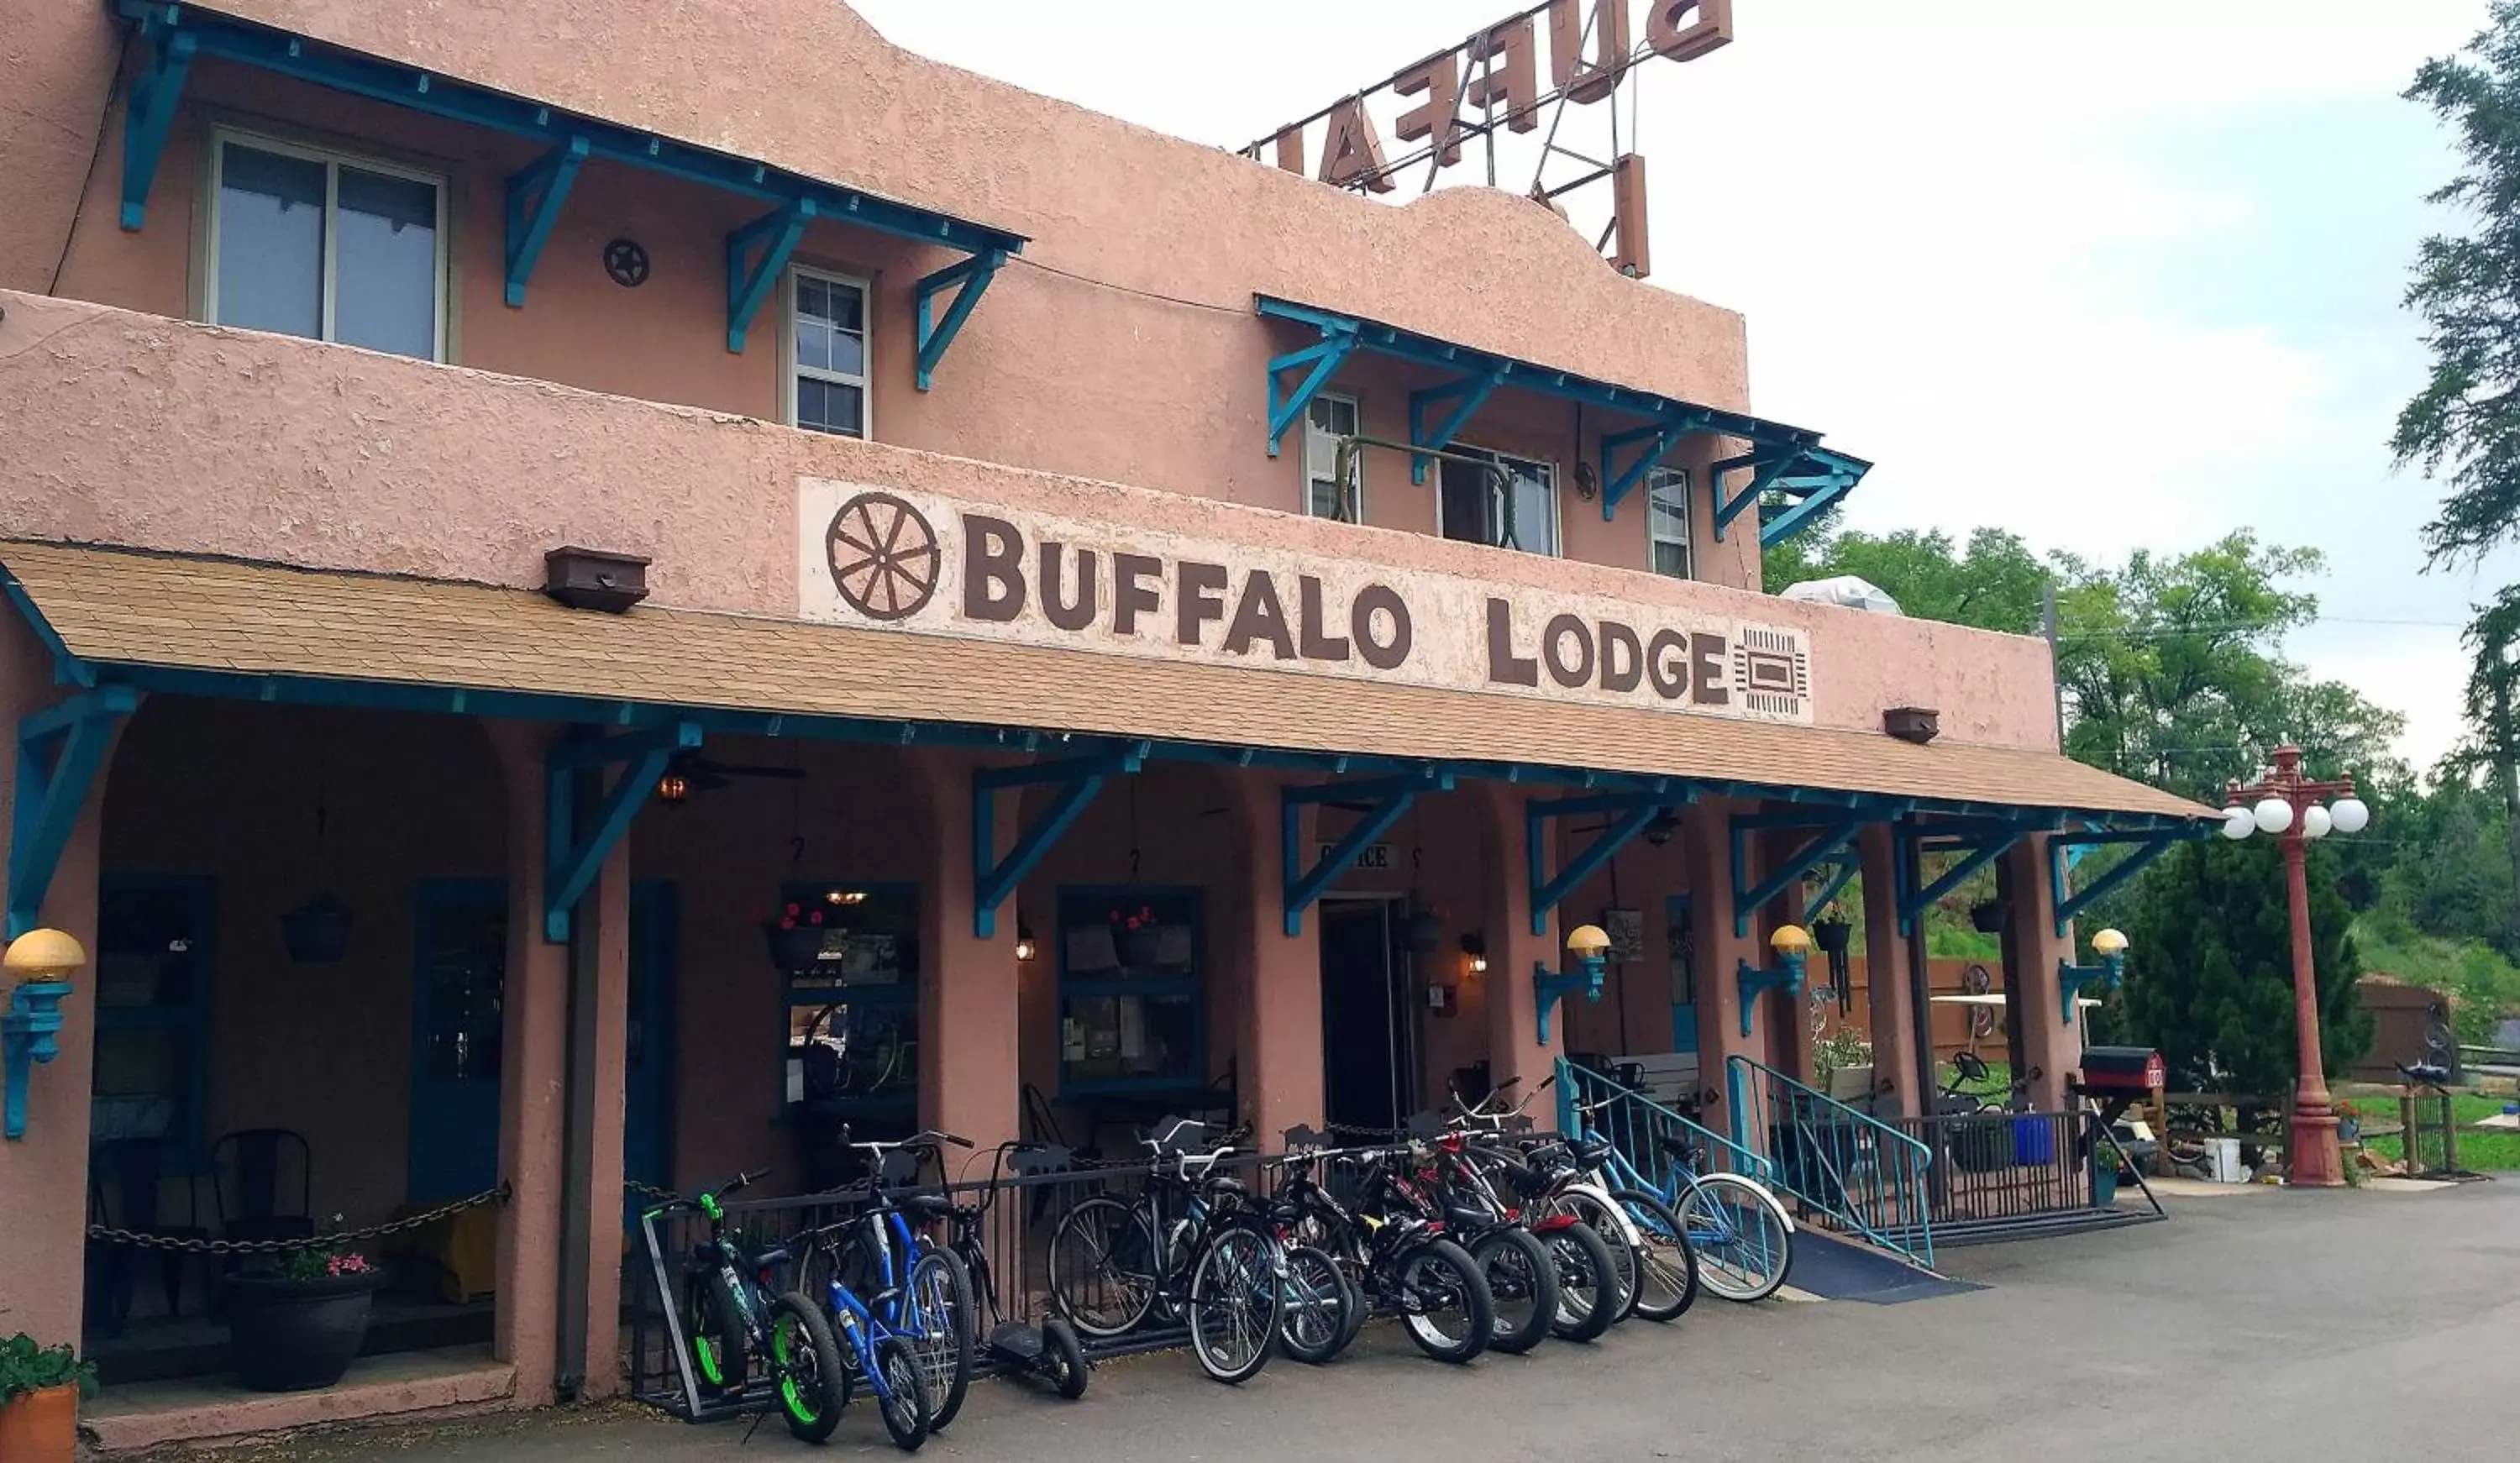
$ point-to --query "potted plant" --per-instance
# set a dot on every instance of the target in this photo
(2348, 1123)
(1832, 932)
(1985, 916)
(299, 1324)
(1135, 935)
(40, 1388)
(796, 937)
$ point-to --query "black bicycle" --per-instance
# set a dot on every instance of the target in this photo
(1393, 1248)
(1191, 1245)
(1051, 1350)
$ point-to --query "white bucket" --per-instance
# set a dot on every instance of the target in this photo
(2222, 1161)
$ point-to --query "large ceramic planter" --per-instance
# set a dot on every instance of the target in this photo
(40, 1427)
(296, 1335)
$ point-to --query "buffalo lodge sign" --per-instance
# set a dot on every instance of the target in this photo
(928, 564)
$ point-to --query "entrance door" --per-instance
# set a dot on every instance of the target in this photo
(1369, 1079)
(1682, 940)
(648, 1070)
(459, 985)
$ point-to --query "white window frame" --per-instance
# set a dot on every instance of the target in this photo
(1355, 405)
(333, 160)
(1687, 539)
(1556, 497)
(790, 370)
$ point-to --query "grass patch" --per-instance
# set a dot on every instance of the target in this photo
(2493, 1151)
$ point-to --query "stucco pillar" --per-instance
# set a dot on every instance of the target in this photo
(606, 1018)
(1280, 1082)
(1514, 1050)
(43, 1176)
(2052, 1048)
(1887, 988)
(533, 1078)
(1706, 828)
(1788, 1031)
(969, 1068)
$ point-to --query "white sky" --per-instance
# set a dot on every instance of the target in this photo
(2108, 277)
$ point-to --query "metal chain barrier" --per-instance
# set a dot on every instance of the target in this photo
(144, 1240)
(647, 1191)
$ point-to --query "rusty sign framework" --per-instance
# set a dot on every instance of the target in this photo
(1490, 84)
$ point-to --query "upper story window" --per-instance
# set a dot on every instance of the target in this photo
(1326, 420)
(313, 243)
(1667, 522)
(826, 375)
(1520, 513)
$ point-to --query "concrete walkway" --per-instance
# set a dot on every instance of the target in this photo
(2283, 1327)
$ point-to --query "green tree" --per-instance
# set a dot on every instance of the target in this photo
(1994, 583)
(2209, 972)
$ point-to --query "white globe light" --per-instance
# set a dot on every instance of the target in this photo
(2274, 815)
(2314, 822)
(2351, 815)
(2239, 823)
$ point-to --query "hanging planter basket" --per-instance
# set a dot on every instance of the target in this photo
(794, 949)
(1423, 933)
(317, 932)
(1987, 916)
(1142, 946)
(1832, 936)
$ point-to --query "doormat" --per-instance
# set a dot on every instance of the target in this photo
(1835, 1270)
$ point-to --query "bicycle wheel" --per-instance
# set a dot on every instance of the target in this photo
(1444, 1302)
(1238, 1302)
(1624, 1257)
(1587, 1285)
(905, 1405)
(719, 1352)
(1741, 1238)
(1667, 1269)
(1316, 1308)
(813, 1390)
(1103, 1266)
(1360, 1307)
(1522, 1287)
(939, 1320)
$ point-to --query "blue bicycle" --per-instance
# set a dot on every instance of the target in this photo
(870, 1348)
(913, 1279)
(1741, 1236)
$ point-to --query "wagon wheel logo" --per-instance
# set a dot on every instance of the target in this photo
(1977, 982)
(884, 557)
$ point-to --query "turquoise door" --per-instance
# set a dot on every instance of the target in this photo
(648, 1071)
(1683, 937)
(459, 989)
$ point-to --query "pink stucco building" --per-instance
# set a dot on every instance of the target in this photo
(1000, 593)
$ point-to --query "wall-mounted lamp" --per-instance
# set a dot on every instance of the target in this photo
(1792, 945)
(1475, 947)
(1586, 945)
(846, 897)
(41, 963)
(1026, 947)
(1660, 830)
(2111, 946)
(673, 789)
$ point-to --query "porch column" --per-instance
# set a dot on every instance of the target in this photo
(1706, 828)
(2052, 1048)
(43, 1176)
(1514, 1049)
(1887, 988)
(1789, 1036)
(1280, 1077)
(602, 1020)
(969, 1053)
(533, 1082)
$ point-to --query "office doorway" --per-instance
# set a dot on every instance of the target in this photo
(1368, 1022)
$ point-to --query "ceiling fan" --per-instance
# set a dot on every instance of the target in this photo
(687, 772)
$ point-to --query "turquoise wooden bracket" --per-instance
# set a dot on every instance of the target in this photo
(1078, 779)
(2066, 850)
(1324, 357)
(150, 115)
(1829, 844)
(1466, 394)
(1842, 872)
(972, 275)
(1550, 987)
(1632, 810)
(1658, 440)
(1765, 467)
(60, 751)
(749, 281)
(535, 193)
(1387, 800)
(1982, 841)
(2071, 978)
(1756, 981)
(1821, 479)
(573, 857)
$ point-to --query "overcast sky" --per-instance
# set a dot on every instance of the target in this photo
(2110, 276)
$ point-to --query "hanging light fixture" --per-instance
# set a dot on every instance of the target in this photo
(1026, 949)
(1659, 831)
(318, 931)
(673, 789)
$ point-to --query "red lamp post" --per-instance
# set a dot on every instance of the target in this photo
(2284, 803)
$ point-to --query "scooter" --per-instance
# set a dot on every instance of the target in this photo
(1049, 1351)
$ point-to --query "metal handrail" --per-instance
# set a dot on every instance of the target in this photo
(1343, 470)
(1635, 1124)
(1876, 1186)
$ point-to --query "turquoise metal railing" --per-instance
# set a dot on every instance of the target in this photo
(1837, 1160)
(1637, 1125)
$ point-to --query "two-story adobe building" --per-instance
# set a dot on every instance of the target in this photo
(1006, 619)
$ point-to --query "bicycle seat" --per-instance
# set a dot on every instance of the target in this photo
(771, 1259)
(1675, 1146)
(1227, 1183)
(924, 1206)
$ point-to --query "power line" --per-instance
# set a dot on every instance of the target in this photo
(1154, 294)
